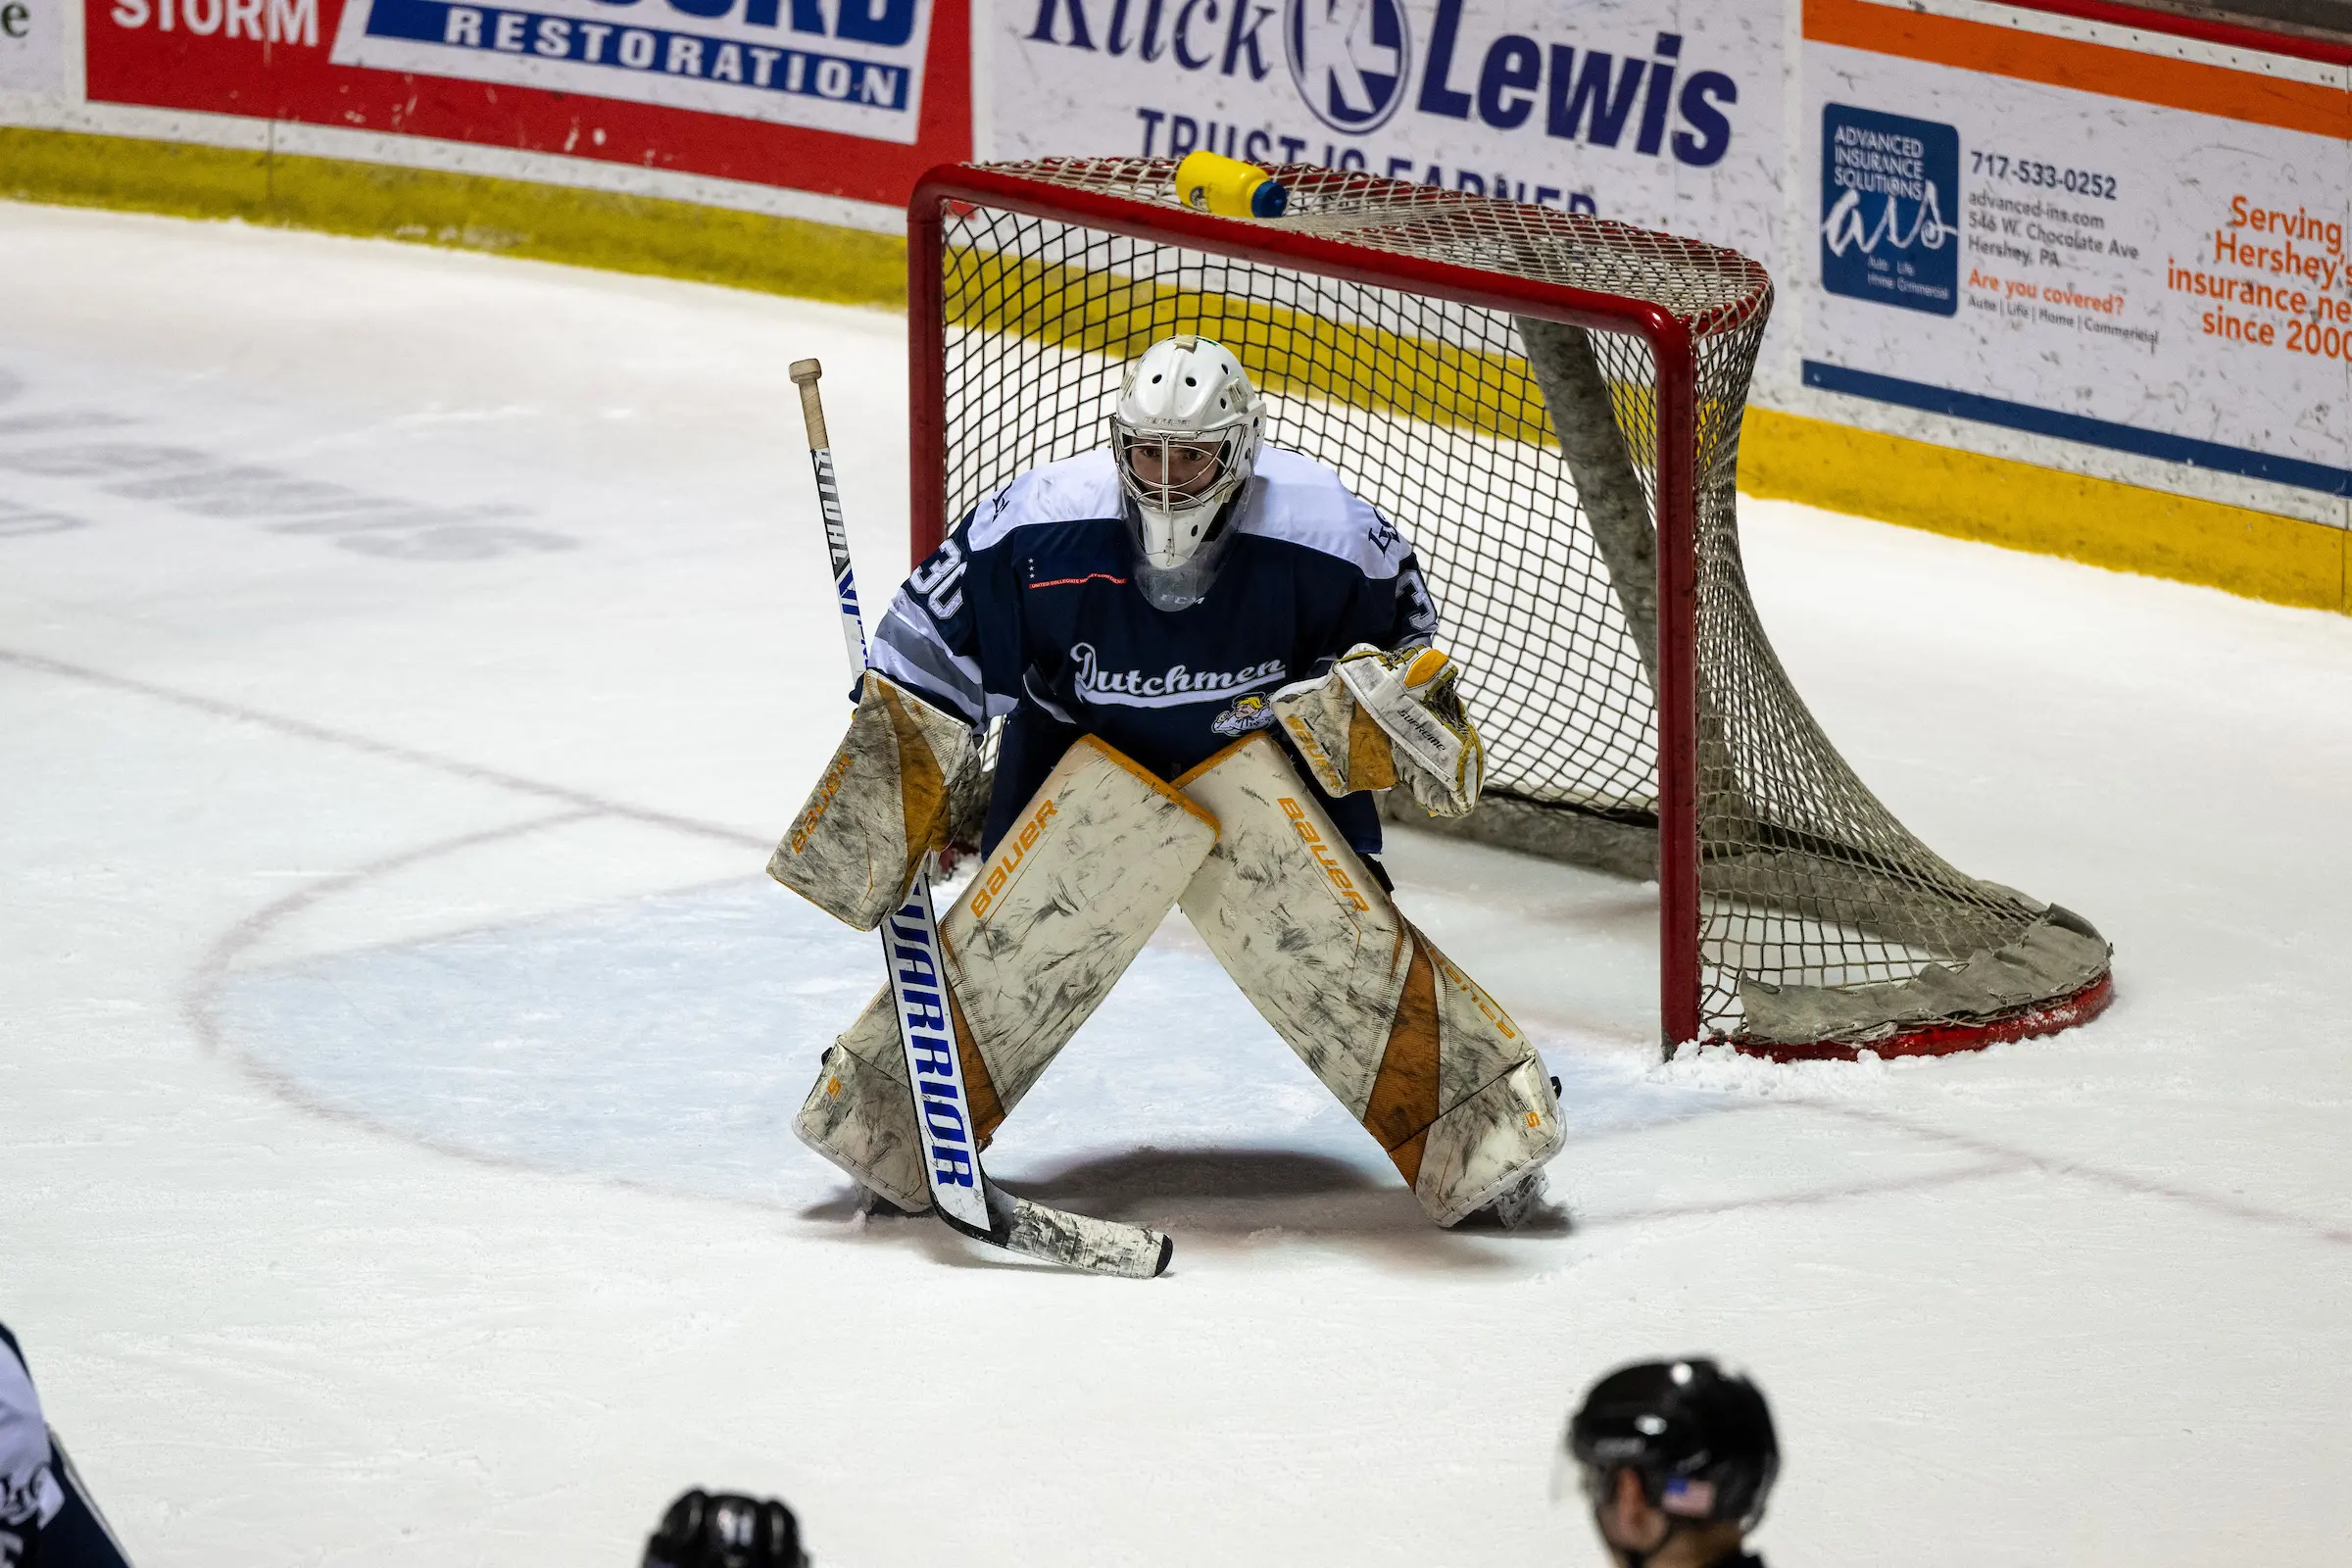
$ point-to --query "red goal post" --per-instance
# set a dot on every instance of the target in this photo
(1575, 388)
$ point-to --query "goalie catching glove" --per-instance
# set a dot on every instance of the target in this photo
(1384, 717)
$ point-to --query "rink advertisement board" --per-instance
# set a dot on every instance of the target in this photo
(32, 56)
(2032, 233)
(2142, 252)
(844, 97)
(1661, 113)
(858, 71)
(2094, 243)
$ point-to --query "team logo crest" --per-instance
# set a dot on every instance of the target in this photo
(1247, 713)
(1350, 59)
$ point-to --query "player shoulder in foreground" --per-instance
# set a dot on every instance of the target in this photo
(47, 1519)
(1677, 1461)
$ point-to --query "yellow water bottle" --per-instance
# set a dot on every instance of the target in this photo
(1209, 182)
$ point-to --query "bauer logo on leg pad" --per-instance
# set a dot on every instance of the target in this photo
(1321, 850)
(1007, 860)
(1327, 773)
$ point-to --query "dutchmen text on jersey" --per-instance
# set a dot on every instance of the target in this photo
(1029, 611)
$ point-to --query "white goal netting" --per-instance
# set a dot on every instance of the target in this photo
(1522, 456)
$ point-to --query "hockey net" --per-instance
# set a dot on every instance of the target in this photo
(1549, 406)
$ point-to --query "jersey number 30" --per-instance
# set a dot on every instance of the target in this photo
(938, 581)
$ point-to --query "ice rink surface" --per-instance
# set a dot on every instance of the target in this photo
(405, 661)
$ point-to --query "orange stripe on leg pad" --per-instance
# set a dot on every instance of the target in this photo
(1209, 764)
(979, 1089)
(1160, 786)
(1404, 1094)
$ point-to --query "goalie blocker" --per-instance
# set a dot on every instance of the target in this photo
(1419, 1055)
(881, 805)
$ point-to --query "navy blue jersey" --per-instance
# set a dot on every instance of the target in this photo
(1029, 613)
(46, 1517)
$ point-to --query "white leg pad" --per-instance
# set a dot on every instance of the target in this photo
(1436, 1071)
(1053, 919)
(1483, 1146)
(861, 1115)
(1296, 918)
(1081, 880)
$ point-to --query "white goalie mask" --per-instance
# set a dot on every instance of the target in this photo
(1185, 432)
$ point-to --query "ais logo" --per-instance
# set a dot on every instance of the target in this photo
(1350, 59)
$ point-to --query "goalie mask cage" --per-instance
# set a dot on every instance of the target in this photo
(1549, 406)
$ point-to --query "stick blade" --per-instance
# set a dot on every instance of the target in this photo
(1082, 1242)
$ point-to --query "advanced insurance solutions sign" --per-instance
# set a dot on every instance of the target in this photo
(2114, 241)
(1659, 113)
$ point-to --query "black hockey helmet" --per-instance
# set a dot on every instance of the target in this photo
(725, 1530)
(1699, 1439)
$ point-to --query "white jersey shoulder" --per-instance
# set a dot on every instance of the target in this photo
(1080, 489)
(28, 1491)
(1297, 500)
(1292, 498)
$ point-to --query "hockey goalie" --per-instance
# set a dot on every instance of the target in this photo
(1207, 654)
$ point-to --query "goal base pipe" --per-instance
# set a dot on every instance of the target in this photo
(1945, 1039)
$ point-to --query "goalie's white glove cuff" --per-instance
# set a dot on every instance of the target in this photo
(1383, 718)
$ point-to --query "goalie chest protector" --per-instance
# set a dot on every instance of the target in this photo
(1030, 611)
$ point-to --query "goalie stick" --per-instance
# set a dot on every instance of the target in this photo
(961, 1190)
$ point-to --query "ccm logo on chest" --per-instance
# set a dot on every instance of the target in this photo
(1008, 858)
(1322, 854)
